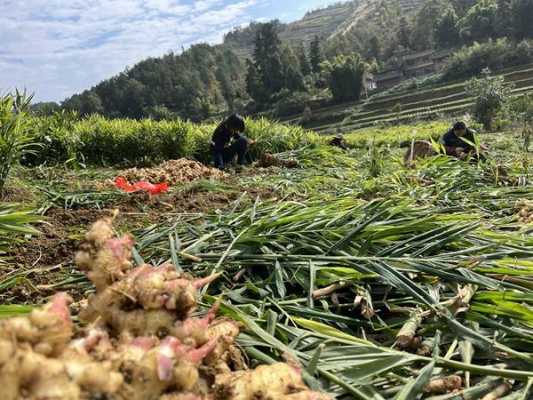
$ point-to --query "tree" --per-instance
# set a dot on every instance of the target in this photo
(374, 47)
(201, 78)
(492, 94)
(446, 31)
(522, 11)
(305, 66)
(293, 78)
(45, 108)
(91, 104)
(422, 36)
(505, 18)
(404, 33)
(254, 85)
(345, 77)
(480, 22)
(267, 58)
(315, 55)
(462, 6)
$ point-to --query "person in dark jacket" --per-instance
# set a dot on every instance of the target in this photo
(222, 136)
(238, 148)
(339, 141)
(458, 142)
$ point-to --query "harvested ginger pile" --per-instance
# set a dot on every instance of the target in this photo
(140, 343)
(174, 172)
(525, 213)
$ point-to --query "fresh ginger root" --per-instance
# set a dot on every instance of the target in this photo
(276, 381)
(141, 342)
(48, 330)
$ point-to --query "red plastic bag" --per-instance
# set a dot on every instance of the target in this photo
(142, 186)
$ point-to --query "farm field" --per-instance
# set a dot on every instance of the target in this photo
(379, 281)
(422, 103)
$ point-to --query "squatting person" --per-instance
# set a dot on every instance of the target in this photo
(339, 141)
(221, 150)
(458, 142)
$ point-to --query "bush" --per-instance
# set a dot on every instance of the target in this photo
(494, 54)
(99, 141)
(491, 94)
(56, 134)
(289, 103)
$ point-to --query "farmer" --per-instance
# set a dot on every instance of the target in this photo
(339, 141)
(232, 127)
(459, 142)
(238, 148)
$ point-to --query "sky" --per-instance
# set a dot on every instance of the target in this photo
(55, 48)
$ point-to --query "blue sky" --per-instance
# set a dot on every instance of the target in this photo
(56, 48)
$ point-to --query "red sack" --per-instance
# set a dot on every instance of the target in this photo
(122, 184)
(142, 186)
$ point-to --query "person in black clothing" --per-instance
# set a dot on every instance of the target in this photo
(458, 142)
(233, 125)
(239, 148)
(338, 141)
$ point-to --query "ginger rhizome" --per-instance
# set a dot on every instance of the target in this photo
(140, 342)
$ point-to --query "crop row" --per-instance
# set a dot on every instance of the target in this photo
(100, 141)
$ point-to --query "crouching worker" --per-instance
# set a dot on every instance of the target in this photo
(220, 142)
(339, 141)
(459, 142)
(238, 148)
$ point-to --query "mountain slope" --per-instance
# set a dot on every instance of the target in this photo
(326, 23)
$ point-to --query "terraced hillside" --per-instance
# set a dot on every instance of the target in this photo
(444, 99)
(325, 22)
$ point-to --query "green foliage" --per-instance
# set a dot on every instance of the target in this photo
(16, 139)
(202, 80)
(521, 13)
(446, 30)
(521, 109)
(274, 67)
(345, 76)
(422, 36)
(315, 55)
(491, 94)
(290, 103)
(45, 108)
(494, 54)
(57, 138)
(15, 221)
(99, 141)
(267, 60)
(480, 22)
(305, 65)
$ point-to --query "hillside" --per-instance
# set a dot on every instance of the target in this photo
(326, 23)
(441, 99)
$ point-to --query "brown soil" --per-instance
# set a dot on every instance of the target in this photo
(47, 259)
(12, 194)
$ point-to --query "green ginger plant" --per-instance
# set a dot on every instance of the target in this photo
(16, 138)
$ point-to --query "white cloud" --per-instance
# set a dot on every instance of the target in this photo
(59, 47)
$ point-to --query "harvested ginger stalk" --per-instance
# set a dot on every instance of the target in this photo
(142, 342)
